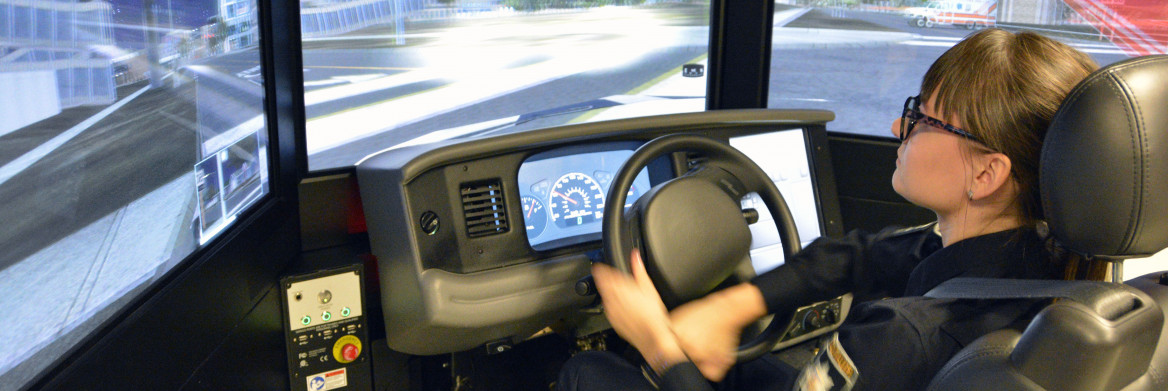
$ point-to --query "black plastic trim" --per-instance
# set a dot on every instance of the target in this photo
(740, 54)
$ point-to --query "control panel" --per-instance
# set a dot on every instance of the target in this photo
(814, 320)
(325, 330)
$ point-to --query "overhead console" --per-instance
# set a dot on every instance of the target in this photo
(483, 240)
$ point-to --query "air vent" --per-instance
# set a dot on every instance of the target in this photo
(484, 208)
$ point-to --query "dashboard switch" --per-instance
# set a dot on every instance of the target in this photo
(586, 286)
(498, 346)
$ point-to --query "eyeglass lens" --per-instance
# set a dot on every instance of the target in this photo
(908, 121)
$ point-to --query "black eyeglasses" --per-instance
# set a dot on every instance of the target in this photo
(912, 115)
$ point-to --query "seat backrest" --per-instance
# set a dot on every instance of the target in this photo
(1104, 185)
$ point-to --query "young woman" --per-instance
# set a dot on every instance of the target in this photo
(969, 152)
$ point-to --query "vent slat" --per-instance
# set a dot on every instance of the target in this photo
(480, 189)
(472, 199)
(495, 202)
(493, 214)
(486, 229)
(484, 208)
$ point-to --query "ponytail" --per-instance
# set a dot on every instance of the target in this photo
(1076, 266)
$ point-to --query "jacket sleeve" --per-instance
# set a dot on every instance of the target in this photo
(869, 265)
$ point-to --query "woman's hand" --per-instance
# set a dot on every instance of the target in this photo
(709, 328)
(636, 312)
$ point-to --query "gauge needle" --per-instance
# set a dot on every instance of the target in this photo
(564, 196)
(529, 210)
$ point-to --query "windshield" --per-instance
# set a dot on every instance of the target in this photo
(420, 71)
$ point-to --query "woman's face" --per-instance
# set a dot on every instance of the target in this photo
(932, 165)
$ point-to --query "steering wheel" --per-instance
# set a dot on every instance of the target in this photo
(691, 230)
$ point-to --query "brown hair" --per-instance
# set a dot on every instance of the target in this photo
(1005, 88)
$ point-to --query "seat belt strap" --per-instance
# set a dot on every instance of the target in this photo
(1109, 300)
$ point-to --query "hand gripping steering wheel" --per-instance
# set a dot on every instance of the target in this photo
(691, 230)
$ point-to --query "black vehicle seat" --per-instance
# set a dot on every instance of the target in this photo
(1104, 186)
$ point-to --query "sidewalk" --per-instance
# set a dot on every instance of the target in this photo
(814, 38)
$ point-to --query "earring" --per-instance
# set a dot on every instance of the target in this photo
(970, 194)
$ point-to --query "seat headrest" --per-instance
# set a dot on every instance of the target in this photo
(1104, 169)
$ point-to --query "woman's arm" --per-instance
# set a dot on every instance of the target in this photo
(635, 310)
(876, 265)
(708, 328)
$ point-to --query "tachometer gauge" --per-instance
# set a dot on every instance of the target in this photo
(576, 199)
(534, 216)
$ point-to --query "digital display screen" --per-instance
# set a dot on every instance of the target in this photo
(563, 192)
(227, 181)
(783, 156)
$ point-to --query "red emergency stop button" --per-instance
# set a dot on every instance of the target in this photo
(347, 349)
(349, 352)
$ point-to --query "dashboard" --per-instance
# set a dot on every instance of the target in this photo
(483, 241)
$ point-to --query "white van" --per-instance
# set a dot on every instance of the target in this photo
(971, 14)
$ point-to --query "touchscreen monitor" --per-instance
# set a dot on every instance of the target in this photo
(783, 156)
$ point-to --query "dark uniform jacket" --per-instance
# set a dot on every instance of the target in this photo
(896, 339)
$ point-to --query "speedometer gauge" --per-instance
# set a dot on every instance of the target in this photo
(534, 216)
(575, 199)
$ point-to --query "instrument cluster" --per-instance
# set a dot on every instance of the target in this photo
(563, 191)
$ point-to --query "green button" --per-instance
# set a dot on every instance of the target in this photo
(306, 320)
(345, 311)
(326, 316)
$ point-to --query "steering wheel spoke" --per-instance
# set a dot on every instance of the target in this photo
(722, 176)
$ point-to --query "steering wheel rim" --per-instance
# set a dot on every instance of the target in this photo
(727, 168)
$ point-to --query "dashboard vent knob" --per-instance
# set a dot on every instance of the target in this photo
(429, 222)
(484, 208)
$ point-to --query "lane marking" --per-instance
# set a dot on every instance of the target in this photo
(675, 72)
(365, 68)
(333, 130)
(370, 104)
(382, 83)
(368, 37)
(31, 157)
(672, 72)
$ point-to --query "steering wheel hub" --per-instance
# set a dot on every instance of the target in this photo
(699, 237)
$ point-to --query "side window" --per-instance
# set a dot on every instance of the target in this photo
(405, 72)
(130, 136)
(862, 59)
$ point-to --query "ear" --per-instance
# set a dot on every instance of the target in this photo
(991, 174)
